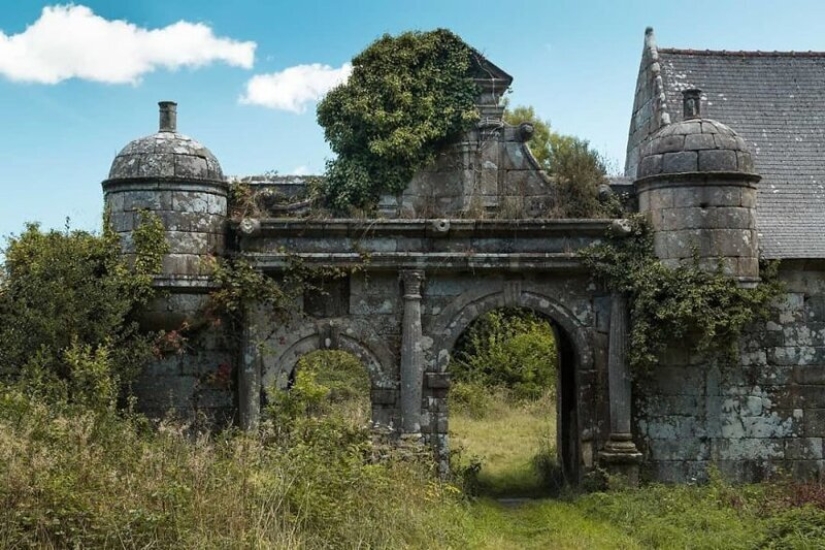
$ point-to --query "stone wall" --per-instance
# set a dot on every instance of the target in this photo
(194, 379)
(752, 420)
(491, 173)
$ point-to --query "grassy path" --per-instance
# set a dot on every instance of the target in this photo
(541, 524)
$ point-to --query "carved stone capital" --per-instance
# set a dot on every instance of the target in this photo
(412, 279)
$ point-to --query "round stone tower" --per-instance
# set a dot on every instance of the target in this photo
(696, 181)
(179, 180)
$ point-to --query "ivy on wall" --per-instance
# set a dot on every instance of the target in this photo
(705, 311)
(407, 97)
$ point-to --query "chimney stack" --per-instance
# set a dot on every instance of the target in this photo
(168, 116)
(692, 99)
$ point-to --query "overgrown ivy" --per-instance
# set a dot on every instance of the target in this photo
(407, 97)
(239, 286)
(705, 311)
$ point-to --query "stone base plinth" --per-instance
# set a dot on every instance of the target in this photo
(621, 459)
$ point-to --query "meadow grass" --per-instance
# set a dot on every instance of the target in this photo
(513, 439)
(71, 478)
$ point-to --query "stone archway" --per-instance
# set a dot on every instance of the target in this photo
(336, 334)
(575, 354)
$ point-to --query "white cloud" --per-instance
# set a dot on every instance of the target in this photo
(294, 87)
(73, 42)
(302, 170)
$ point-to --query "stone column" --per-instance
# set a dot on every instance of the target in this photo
(412, 358)
(620, 455)
(249, 374)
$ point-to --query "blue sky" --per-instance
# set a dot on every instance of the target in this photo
(77, 82)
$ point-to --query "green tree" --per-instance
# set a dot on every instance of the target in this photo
(577, 169)
(407, 96)
(68, 305)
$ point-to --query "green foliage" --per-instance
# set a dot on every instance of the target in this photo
(577, 169)
(512, 349)
(796, 529)
(342, 373)
(407, 97)
(240, 286)
(676, 517)
(706, 311)
(68, 304)
(471, 399)
(74, 479)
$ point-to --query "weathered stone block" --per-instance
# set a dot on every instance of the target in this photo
(661, 198)
(695, 142)
(805, 448)
(681, 449)
(813, 422)
(810, 375)
(811, 397)
(651, 165)
(383, 396)
(717, 161)
(141, 200)
(744, 162)
(190, 167)
(686, 161)
(719, 195)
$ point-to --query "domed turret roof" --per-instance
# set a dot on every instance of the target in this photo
(166, 154)
(695, 145)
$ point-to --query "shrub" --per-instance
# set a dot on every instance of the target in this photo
(511, 349)
(707, 311)
(71, 478)
(69, 304)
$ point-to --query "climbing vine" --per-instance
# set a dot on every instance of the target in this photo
(407, 96)
(706, 311)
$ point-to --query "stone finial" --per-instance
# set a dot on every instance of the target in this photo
(168, 116)
(692, 101)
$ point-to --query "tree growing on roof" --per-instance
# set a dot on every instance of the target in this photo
(407, 97)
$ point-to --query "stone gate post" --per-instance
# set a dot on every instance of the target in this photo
(620, 455)
(412, 358)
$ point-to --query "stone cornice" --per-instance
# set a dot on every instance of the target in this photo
(437, 228)
(428, 261)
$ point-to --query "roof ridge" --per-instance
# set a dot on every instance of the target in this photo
(741, 53)
(660, 99)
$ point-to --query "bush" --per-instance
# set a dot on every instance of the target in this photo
(511, 349)
(69, 303)
(577, 170)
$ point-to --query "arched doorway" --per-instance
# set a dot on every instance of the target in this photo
(574, 355)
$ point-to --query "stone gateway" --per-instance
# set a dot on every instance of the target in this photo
(471, 234)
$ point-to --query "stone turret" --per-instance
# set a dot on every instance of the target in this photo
(696, 181)
(178, 179)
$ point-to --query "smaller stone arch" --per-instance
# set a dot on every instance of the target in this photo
(333, 334)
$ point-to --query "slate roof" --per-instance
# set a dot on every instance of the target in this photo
(776, 102)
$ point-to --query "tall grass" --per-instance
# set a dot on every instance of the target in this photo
(76, 479)
(514, 440)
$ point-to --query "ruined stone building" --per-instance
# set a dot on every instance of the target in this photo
(732, 172)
